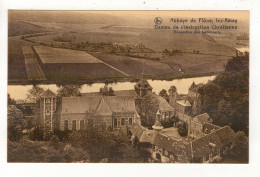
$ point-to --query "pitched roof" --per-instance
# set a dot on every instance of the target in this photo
(218, 138)
(79, 104)
(162, 103)
(120, 103)
(91, 94)
(226, 134)
(202, 118)
(171, 132)
(209, 126)
(176, 147)
(117, 93)
(144, 135)
(48, 94)
(195, 87)
(103, 109)
(98, 105)
(183, 102)
(126, 93)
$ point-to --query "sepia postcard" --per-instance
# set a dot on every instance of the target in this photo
(128, 86)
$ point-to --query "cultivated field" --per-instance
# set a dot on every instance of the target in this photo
(34, 71)
(58, 55)
(72, 68)
(104, 59)
(16, 64)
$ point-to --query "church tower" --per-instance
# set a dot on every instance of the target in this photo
(47, 109)
(142, 87)
(173, 96)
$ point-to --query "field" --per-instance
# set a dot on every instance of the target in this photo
(16, 64)
(34, 71)
(105, 39)
(197, 63)
(72, 71)
(135, 66)
(20, 28)
(58, 55)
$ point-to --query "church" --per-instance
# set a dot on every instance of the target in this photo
(94, 109)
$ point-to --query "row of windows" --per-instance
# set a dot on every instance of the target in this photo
(74, 125)
(122, 122)
(167, 114)
(117, 123)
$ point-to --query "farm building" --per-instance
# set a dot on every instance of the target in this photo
(167, 146)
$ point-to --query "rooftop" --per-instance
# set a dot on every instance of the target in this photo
(98, 105)
(183, 102)
(47, 94)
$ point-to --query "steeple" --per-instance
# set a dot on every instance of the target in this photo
(193, 85)
(47, 109)
(142, 86)
(173, 96)
(157, 125)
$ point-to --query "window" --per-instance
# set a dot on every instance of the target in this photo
(123, 121)
(90, 122)
(163, 115)
(207, 157)
(66, 125)
(48, 112)
(153, 147)
(47, 101)
(82, 124)
(130, 121)
(166, 152)
(74, 125)
(115, 123)
(158, 156)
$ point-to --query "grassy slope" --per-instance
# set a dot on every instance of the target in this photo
(134, 66)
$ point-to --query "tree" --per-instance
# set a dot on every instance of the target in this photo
(163, 93)
(239, 150)
(149, 107)
(10, 100)
(34, 94)
(172, 89)
(106, 91)
(15, 123)
(183, 128)
(67, 91)
(226, 98)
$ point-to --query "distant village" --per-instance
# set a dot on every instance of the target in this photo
(172, 130)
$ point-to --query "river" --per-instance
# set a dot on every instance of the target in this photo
(182, 85)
